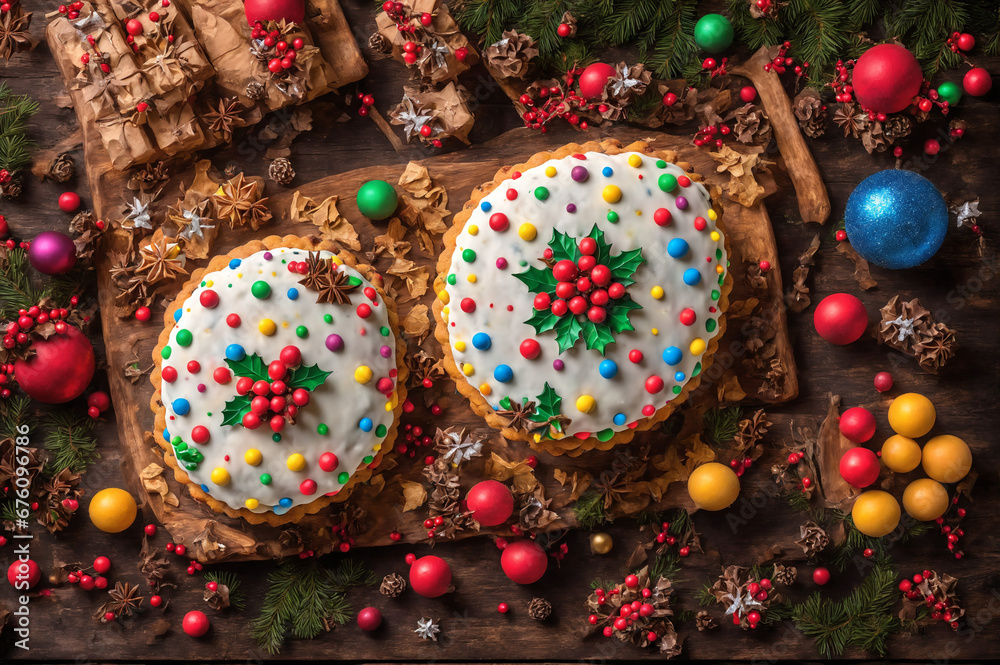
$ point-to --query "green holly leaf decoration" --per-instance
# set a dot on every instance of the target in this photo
(188, 457)
(618, 314)
(252, 366)
(597, 336)
(603, 254)
(543, 320)
(564, 247)
(309, 377)
(505, 403)
(547, 404)
(538, 280)
(567, 332)
(235, 409)
(624, 265)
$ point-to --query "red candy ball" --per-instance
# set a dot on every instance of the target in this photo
(233, 321)
(530, 348)
(687, 316)
(200, 435)
(977, 82)
(654, 384)
(883, 382)
(369, 619)
(291, 356)
(195, 623)
(222, 375)
(491, 502)
(821, 576)
(468, 305)
(857, 424)
(886, 78)
(499, 221)
(69, 201)
(328, 462)
(209, 299)
(23, 575)
(662, 217)
(840, 318)
(564, 271)
(524, 561)
(142, 314)
(859, 467)
(430, 576)
(748, 94)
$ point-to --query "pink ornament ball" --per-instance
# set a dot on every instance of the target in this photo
(52, 253)
(857, 424)
(840, 319)
(524, 561)
(883, 382)
(369, 619)
(859, 467)
(491, 502)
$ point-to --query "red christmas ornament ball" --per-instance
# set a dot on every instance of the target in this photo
(23, 575)
(594, 78)
(886, 78)
(821, 576)
(99, 399)
(293, 11)
(69, 201)
(966, 42)
(195, 623)
(524, 561)
(369, 619)
(60, 370)
(883, 382)
(491, 502)
(859, 467)
(430, 576)
(857, 424)
(748, 93)
(564, 30)
(977, 82)
(840, 318)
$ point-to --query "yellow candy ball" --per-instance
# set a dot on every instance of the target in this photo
(901, 454)
(295, 462)
(363, 374)
(112, 510)
(252, 504)
(912, 415)
(713, 486)
(875, 513)
(947, 458)
(925, 499)
(253, 457)
(267, 327)
(585, 404)
(220, 476)
(527, 231)
(612, 193)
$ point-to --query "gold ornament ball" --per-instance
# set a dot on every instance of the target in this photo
(601, 543)
(947, 458)
(875, 513)
(901, 454)
(925, 499)
(112, 510)
(912, 415)
(713, 486)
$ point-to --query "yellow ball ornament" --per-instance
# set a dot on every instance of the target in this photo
(112, 510)
(911, 415)
(901, 454)
(875, 513)
(947, 458)
(601, 543)
(713, 486)
(925, 499)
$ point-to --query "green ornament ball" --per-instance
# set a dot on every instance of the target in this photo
(713, 33)
(950, 92)
(377, 199)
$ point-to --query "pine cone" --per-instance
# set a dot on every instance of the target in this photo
(897, 127)
(784, 575)
(255, 90)
(811, 114)
(379, 44)
(393, 585)
(281, 171)
(873, 138)
(60, 169)
(752, 124)
(12, 190)
(539, 609)
(704, 621)
(813, 538)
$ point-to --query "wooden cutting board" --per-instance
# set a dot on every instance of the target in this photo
(200, 529)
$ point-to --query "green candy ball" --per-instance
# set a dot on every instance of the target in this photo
(377, 199)
(713, 32)
(950, 92)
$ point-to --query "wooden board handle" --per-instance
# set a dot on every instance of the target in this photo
(814, 202)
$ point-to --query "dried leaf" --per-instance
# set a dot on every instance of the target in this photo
(416, 323)
(578, 483)
(862, 274)
(414, 277)
(414, 495)
(332, 225)
(832, 446)
(729, 389)
(153, 481)
(742, 187)
(500, 469)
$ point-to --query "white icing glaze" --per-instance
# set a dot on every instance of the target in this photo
(340, 403)
(504, 303)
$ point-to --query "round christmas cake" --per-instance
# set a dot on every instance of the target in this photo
(279, 379)
(581, 295)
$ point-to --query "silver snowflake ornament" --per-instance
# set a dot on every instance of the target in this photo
(427, 629)
(194, 226)
(905, 327)
(967, 210)
(137, 212)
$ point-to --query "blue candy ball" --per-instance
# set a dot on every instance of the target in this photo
(366, 424)
(503, 373)
(235, 352)
(677, 248)
(608, 369)
(619, 419)
(692, 276)
(896, 219)
(672, 355)
(181, 406)
(482, 341)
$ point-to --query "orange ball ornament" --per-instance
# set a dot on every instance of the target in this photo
(947, 458)
(875, 513)
(713, 486)
(112, 510)
(901, 454)
(925, 499)
(912, 415)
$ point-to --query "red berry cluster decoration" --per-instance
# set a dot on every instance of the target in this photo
(952, 530)
(413, 438)
(17, 333)
(635, 610)
(740, 466)
(276, 48)
(367, 101)
(582, 287)
(937, 593)
(782, 61)
(559, 101)
(960, 41)
(273, 402)
(664, 537)
(71, 11)
(715, 68)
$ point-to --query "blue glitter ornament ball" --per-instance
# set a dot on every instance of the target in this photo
(896, 219)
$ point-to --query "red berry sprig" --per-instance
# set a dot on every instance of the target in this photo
(923, 587)
(561, 101)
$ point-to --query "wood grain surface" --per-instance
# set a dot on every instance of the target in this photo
(960, 286)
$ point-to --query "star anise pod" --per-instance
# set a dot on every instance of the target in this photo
(53, 514)
(160, 260)
(125, 599)
(235, 200)
(422, 367)
(520, 415)
(851, 119)
(153, 564)
(257, 214)
(223, 119)
(14, 34)
(332, 285)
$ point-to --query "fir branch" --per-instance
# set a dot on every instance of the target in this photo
(589, 511)
(16, 291)
(233, 583)
(666, 565)
(15, 147)
(754, 32)
(353, 573)
(8, 511)
(924, 26)
(680, 521)
(818, 30)
(704, 596)
(598, 583)
(70, 440)
(15, 412)
(721, 424)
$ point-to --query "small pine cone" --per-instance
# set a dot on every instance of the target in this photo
(379, 44)
(811, 113)
(897, 127)
(60, 169)
(12, 190)
(539, 609)
(704, 621)
(784, 575)
(255, 90)
(393, 585)
(281, 171)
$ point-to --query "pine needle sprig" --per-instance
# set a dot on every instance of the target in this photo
(69, 438)
(722, 423)
(224, 577)
(589, 511)
(14, 413)
(353, 573)
(666, 565)
(15, 146)
(16, 290)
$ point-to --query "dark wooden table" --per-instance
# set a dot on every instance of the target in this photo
(958, 285)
